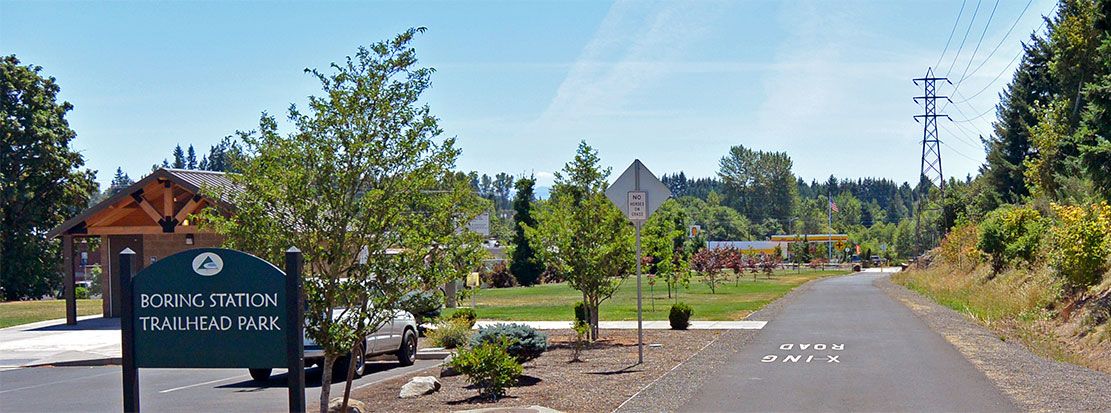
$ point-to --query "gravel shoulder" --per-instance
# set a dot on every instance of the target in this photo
(674, 388)
(1033, 382)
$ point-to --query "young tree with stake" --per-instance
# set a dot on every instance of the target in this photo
(582, 234)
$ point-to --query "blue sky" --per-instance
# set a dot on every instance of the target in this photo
(674, 84)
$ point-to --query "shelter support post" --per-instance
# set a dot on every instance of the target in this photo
(70, 281)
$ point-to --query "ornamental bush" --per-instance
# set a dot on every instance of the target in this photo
(488, 366)
(450, 333)
(1080, 242)
(1011, 234)
(81, 293)
(466, 315)
(525, 342)
(424, 305)
(680, 316)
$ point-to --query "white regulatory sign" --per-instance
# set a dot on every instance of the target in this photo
(638, 205)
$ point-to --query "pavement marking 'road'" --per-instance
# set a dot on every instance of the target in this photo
(202, 384)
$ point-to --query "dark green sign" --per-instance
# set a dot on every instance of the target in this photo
(210, 307)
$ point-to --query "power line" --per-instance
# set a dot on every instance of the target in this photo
(959, 49)
(992, 82)
(964, 75)
(954, 30)
(1001, 41)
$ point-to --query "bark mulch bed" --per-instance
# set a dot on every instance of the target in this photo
(607, 375)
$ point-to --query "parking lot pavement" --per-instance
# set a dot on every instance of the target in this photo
(95, 340)
(96, 389)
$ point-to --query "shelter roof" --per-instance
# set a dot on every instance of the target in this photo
(160, 202)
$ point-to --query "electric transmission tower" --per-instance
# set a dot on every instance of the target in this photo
(931, 146)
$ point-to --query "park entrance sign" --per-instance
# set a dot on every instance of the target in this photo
(212, 308)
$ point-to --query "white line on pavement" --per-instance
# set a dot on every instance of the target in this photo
(59, 381)
(202, 384)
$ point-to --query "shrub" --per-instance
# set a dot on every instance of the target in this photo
(489, 367)
(680, 316)
(451, 333)
(580, 312)
(466, 315)
(1081, 242)
(582, 336)
(81, 293)
(525, 342)
(500, 277)
(1010, 234)
(424, 305)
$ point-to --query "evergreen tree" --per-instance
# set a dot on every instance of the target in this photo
(191, 158)
(524, 264)
(120, 181)
(179, 158)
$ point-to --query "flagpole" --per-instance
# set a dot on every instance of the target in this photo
(829, 238)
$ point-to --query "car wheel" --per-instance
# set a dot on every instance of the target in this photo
(408, 351)
(339, 370)
(260, 374)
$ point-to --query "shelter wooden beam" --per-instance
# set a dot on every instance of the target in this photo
(116, 212)
(139, 230)
(167, 200)
(146, 206)
(188, 208)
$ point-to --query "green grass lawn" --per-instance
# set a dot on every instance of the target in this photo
(14, 313)
(554, 302)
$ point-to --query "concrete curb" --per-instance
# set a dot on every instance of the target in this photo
(108, 361)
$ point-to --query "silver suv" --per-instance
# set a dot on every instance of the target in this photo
(397, 337)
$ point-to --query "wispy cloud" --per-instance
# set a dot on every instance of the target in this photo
(636, 44)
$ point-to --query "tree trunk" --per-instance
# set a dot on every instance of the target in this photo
(594, 321)
(350, 377)
(326, 381)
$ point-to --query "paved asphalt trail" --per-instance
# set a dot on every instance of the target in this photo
(97, 389)
(844, 345)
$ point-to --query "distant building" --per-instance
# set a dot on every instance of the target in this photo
(753, 247)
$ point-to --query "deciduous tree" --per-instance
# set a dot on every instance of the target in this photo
(582, 234)
(41, 180)
(364, 187)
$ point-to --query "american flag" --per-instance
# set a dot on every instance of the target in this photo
(833, 205)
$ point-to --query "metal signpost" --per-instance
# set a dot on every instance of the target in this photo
(637, 193)
(212, 308)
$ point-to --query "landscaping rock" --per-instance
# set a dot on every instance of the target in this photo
(353, 406)
(419, 386)
(448, 371)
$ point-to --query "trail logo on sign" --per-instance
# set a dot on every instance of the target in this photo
(207, 264)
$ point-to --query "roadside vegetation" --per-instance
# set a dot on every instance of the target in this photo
(14, 313)
(1026, 245)
(1042, 279)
